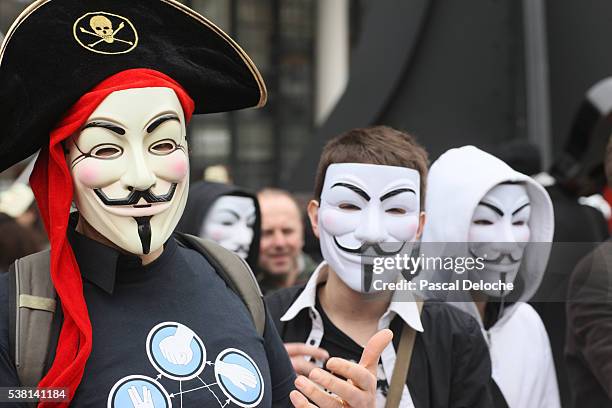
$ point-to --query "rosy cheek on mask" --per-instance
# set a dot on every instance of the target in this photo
(216, 234)
(523, 235)
(94, 173)
(404, 228)
(328, 220)
(179, 167)
(173, 167)
(89, 174)
(338, 222)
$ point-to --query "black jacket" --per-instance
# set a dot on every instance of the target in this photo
(450, 363)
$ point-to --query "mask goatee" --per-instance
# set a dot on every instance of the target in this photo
(144, 232)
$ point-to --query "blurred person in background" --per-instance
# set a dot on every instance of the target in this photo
(18, 203)
(281, 260)
(589, 323)
(575, 222)
(226, 214)
(505, 219)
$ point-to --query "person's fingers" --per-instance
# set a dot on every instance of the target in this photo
(302, 349)
(342, 388)
(373, 350)
(356, 374)
(300, 401)
(314, 393)
(302, 366)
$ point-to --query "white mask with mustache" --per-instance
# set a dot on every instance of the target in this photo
(130, 168)
(365, 204)
(499, 232)
(230, 223)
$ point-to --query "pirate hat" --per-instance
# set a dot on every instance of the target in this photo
(57, 50)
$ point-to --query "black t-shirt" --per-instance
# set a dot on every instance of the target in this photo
(171, 328)
(338, 344)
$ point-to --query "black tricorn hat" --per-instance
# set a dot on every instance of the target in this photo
(57, 50)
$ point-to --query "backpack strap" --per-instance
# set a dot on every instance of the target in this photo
(235, 272)
(32, 304)
(402, 363)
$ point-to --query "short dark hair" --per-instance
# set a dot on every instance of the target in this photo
(381, 145)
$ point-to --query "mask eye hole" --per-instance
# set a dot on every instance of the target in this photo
(396, 211)
(106, 151)
(519, 223)
(483, 222)
(349, 207)
(163, 147)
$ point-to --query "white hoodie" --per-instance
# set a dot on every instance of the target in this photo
(522, 364)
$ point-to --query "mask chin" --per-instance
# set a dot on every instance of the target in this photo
(496, 274)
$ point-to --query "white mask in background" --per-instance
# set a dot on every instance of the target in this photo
(130, 168)
(230, 223)
(499, 232)
(363, 204)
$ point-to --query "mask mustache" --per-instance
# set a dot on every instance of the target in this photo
(378, 250)
(135, 196)
(498, 260)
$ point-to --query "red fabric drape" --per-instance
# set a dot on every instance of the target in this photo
(52, 186)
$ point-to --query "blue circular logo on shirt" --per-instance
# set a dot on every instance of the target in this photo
(138, 391)
(176, 351)
(239, 377)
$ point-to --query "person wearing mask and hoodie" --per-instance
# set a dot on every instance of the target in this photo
(226, 214)
(504, 219)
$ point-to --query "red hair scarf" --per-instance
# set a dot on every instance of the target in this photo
(52, 186)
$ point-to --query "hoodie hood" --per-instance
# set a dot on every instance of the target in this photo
(457, 182)
(202, 196)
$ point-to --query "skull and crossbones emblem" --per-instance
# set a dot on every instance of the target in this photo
(103, 29)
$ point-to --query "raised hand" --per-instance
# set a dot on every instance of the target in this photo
(300, 355)
(359, 391)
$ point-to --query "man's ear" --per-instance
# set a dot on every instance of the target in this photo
(422, 219)
(313, 216)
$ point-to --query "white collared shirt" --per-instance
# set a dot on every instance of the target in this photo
(408, 312)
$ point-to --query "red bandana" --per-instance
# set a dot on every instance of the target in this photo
(52, 186)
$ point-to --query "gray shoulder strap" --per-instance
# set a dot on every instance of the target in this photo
(402, 363)
(236, 273)
(34, 307)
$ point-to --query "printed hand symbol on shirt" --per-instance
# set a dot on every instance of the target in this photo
(238, 375)
(177, 348)
(145, 402)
